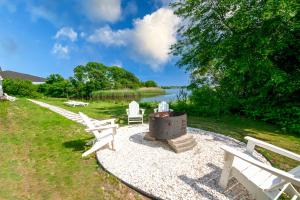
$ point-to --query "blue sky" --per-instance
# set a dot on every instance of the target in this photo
(41, 37)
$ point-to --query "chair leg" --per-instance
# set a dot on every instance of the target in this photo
(226, 172)
(113, 145)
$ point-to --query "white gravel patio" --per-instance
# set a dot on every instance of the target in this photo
(153, 168)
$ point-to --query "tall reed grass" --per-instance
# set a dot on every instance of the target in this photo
(126, 93)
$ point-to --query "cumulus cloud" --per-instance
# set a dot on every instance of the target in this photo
(153, 36)
(149, 40)
(107, 36)
(60, 50)
(66, 32)
(103, 10)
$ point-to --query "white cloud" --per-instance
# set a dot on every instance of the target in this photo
(60, 50)
(67, 32)
(103, 10)
(149, 40)
(154, 35)
(107, 36)
(43, 13)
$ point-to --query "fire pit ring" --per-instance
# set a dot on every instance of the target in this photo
(167, 125)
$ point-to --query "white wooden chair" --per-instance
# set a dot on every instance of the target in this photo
(104, 132)
(261, 180)
(163, 107)
(134, 113)
(76, 103)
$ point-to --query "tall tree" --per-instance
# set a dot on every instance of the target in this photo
(248, 50)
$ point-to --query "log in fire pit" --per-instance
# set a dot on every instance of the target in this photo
(170, 127)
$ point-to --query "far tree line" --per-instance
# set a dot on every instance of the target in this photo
(86, 79)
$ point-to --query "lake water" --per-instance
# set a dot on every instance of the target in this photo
(171, 95)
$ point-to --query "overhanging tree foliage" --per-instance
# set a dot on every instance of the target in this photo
(248, 52)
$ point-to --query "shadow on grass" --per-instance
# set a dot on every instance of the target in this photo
(76, 145)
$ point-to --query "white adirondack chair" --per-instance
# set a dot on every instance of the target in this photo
(261, 180)
(134, 113)
(163, 107)
(104, 132)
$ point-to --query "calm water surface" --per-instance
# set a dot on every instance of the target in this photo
(171, 95)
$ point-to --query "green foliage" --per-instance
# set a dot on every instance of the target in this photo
(247, 52)
(150, 83)
(96, 76)
(53, 78)
(55, 86)
(88, 79)
(20, 88)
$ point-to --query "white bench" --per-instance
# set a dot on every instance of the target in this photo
(76, 103)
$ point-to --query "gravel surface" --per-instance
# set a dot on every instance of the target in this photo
(152, 167)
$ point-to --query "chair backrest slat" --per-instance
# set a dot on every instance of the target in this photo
(134, 108)
(87, 120)
(90, 124)
(163, 107)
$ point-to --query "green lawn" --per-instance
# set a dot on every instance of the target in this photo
(40, 153)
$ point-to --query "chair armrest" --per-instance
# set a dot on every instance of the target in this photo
(105, 121)
(127, 111)
(277, 172)
(102, 127)
(252, 142)
(143, 111)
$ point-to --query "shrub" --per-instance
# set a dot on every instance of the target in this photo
(150, 83)
(20, 88)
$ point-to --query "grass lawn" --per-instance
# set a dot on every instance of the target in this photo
(40, 153)
(235, 127)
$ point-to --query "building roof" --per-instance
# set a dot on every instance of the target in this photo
(17, 75)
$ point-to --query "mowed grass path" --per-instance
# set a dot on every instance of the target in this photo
(40, 158)
(236, 127)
